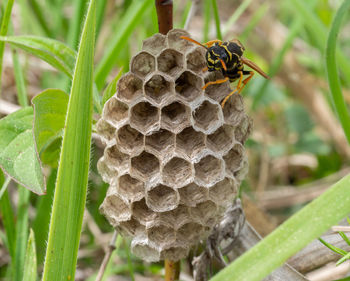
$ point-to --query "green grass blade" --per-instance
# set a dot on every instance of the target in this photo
(76, 21)
(332, 70)
(40, 17)
(317, 28)
(207, 19)
(130, 19)
(21, 232)
(72, 178)
(42, 219)
(20, 82)
(3, 31)
(345, 238)
(30, 265)
(290, 237)
(343, 259)
(234, 17)
(111, 88)
(54, 52)
(333, 248)
(217, 19)
(8, 218)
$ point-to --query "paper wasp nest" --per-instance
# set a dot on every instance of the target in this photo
(173, 158)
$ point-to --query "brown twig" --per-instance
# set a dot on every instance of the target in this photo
(107, 256)
(165, 15)
(172, 270)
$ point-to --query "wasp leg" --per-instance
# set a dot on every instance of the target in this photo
(204, 69)
(220, 81)
(245, 81)
(212, 42)
(227, 97)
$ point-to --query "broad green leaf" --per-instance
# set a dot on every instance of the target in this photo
(72, 178)
(290, 237)
(111, 88)
(54, 52)
(18, 156)
(50, 108)
(30, 264)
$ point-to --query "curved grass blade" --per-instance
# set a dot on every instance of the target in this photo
(111, 88)
(217, 19)
(332, 70)
(290, 237)
(54, 52)
(72, 178)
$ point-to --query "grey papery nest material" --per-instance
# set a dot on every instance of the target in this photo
(173, 158)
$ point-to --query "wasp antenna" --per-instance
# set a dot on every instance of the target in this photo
(255, 67)
(193, 41)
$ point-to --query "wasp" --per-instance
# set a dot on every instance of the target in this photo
(228, 57)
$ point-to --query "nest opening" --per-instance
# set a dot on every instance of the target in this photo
(131, 227)
(116, 157)
(161, 234)
(142, 64)
(196, 61)
(188, 86)
(204, 212)
(223, 192)
(208, 170)
(115, 111)
(130, 188)
(192, 194)
(221, 140)
(170, 62)
(144, 116)
(146, 165)
(189, 232)
(177, 172)
(142, 213)
(106, 130)
(116, 208)
(157, 88)
(162, 198)
(129, 139)
(233, 159)
(190, 141)
(129, 87)
(206, 115)
(177, 217)
(175, 116)
(160, 141)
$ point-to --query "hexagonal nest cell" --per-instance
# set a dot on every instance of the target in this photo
(162, 198)
(192, 194)
(175, 42)
(157, 88)
(161, 143)
(145, 165)
(217, 92)
(155, 44)
(142, 64)
(161, 235)
(115, 209)
(196, 60)
(129, 140)
(131, 189)
(129, 87)
(170, 62)
(173, 158)
(144, 117)
(175, 117)
(221, 140)
(223, 192)
(115, 158)
(115, 111)
(207, 117)
(234, 158)
(105, 130)
(188, 86)
(190, 142)
(209, 170)
(177, 172)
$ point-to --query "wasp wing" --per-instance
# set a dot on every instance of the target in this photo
(255, 67)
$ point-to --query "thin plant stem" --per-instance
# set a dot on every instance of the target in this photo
(172, 270)
(165, 15)
(217, 20)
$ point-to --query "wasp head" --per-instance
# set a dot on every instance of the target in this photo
(216, 57)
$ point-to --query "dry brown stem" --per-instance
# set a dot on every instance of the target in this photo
(165, 15)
